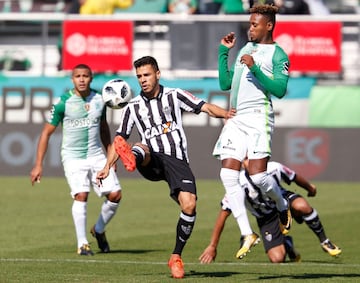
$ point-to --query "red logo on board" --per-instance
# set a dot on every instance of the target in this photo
(307, 151)
(103, 45)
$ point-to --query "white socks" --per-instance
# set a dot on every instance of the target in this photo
(269, 187)
(79, 217)
(236, 198)
(108, 210)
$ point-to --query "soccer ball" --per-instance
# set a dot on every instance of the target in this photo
(116, 93)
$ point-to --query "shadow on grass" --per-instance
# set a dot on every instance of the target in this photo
(220, 274)
(122, 251)
(311, 276)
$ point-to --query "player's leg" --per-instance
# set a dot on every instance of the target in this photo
(272, 238)
(302, 210)
(76, 172)
(231, 148)
(110, 188)
(184, 228)
(269, 186)
(182, 186)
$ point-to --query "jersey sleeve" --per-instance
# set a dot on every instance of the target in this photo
(126, 124)
(188, 101)
(225, 75)
(57, 113)
(276, 84)
(287, 174)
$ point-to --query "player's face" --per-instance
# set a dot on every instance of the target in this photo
(259, 28)
(148, 79)
(81, 79)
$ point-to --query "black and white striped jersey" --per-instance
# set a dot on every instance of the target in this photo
(159, 120)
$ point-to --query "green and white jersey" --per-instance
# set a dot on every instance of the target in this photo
(252, 88)
(81, 119)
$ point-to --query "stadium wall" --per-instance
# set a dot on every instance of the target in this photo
(317, 133)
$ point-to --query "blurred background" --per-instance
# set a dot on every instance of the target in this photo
(317, 122)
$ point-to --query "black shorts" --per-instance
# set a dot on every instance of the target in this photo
(291, 196)
(177, 173)
(270, 231)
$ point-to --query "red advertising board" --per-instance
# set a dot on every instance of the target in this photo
(311, 46)
(103, 45)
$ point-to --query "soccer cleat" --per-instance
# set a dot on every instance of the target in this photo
(176, 266)
(330, 248)
(101, 240)
(246, 243)
(293, 254)
(123, 149)
(85, 250)
(285, 221)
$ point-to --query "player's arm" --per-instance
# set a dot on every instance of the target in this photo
(305, 184)
(105, 132)
(225, 75)
(276, 84)
(36, 172)
(210, 252)
(217, 112)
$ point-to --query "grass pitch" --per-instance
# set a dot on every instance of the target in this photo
(38, 239)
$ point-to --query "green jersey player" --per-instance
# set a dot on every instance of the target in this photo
(260, 71)
(82, 113)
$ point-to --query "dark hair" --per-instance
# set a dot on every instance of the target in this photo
(269, 11)
(83, 66)
(146, 60)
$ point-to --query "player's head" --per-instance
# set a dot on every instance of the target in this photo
(81, 77)
(262, 23)
(84, 67)
(146, 60)
(148, 75)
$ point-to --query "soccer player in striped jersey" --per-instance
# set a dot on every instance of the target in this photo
(276, 245)
(162, 153)
(82, 113)
(260, 71)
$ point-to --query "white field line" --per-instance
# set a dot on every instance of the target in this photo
(164, 263)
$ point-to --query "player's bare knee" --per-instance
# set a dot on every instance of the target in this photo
(114, 196)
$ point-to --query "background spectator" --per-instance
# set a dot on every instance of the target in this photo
(182, 6)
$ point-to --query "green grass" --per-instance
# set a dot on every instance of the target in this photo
(38, 239)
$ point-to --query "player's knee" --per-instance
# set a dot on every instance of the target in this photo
(259, 179)
(229, 177)
(276, 257)
(114, 196)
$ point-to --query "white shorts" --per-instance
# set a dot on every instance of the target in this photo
(245, 135)
(81, 173)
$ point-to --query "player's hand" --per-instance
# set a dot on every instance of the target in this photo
(102, 175)
(231, 113)
(35, 175)
(311, 190)
(229, 40)
(208, 255)
(248, 60)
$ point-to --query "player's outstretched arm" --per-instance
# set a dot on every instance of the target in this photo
(305, 184)
(36, 172)
(112, 157)
(217, 112)
(210, 252)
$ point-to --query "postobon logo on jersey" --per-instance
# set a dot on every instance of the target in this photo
(84, 122)
(160, 129)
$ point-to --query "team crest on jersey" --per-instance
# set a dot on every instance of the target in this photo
(87, 106)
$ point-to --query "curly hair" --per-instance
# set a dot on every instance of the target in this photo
(267, 10)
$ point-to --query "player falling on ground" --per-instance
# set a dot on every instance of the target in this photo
(276, 244)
